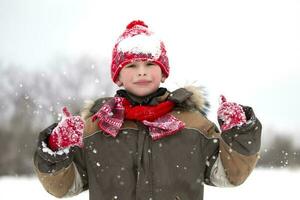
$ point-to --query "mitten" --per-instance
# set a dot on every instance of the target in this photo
(68, 132)
(48, 161)
(230, 114)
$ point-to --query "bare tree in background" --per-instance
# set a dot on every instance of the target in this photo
(32, 100)
(281, 152)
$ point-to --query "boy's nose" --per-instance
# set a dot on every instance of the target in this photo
(141, 71)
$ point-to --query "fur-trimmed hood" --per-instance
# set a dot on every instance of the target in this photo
(189, 97)
(198, 99)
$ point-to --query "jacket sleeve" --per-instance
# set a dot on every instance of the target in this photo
(62, 173)
(233, 154)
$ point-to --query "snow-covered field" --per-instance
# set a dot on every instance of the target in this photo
(262, 184)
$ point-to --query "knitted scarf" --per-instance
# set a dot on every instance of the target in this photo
(111, 117)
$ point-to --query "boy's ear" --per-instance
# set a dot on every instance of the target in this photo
(163, 78)
(119, 83)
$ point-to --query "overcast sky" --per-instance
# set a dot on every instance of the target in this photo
(247, 50)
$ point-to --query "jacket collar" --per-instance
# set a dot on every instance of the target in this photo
(190, 97)
(153, 99)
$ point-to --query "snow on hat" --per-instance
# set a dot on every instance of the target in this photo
(138, 43)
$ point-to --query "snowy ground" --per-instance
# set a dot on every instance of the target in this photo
(262, 184)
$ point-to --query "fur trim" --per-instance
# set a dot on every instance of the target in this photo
(199, 98)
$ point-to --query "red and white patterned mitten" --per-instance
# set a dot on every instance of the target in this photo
(68, 132)
(231, 114)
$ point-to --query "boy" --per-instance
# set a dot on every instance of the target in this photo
(146, 142)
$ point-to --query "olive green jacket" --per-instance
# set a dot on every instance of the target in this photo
(133, 166)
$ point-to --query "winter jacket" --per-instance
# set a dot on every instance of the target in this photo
(133, 166)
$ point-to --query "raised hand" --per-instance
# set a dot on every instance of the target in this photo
(68, 132)
(230, 114)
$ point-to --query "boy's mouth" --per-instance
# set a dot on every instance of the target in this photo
(142, 82)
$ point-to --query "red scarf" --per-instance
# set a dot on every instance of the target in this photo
(112, 114)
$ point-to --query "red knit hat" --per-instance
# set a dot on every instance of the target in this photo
(137, 43)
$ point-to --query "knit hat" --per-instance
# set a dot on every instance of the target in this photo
(138, 43)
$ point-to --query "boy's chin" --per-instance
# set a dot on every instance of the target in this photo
(142, 92)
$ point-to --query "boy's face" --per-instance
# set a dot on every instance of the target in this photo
(141, 78)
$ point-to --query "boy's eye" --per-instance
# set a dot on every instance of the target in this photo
(130, 66)
(150, 63)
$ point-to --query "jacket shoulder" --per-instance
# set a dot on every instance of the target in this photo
(196, 120)
(89, 109)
